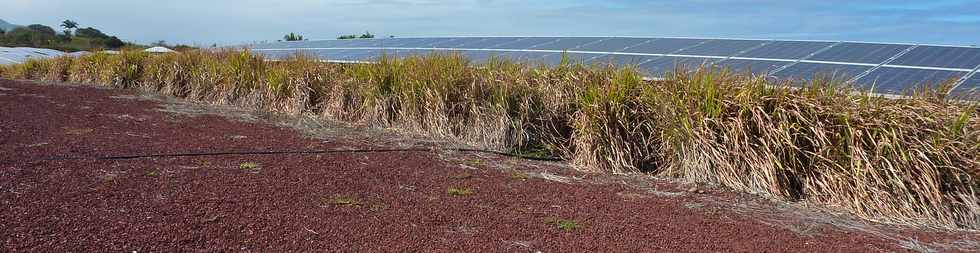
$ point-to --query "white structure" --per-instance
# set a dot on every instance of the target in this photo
(159, 50)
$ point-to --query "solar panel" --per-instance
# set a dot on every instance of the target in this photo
(488, 42)
(668, 63)
(614, 44)
(454, 43)
(810, 71)
(969, 89)
(412, 42)
(893, 67)
(860, 52)
(664, 46)
(620, 59)
(523, 43)
(896, 80)
(721, 47)
(556, 58)
(480, 56)
(365, 54)
(944, 57)
(571, 43)
(786, 49)
(753, 66)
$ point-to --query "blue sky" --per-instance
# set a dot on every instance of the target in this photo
(225, 22)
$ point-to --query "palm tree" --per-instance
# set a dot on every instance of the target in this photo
(68, 25)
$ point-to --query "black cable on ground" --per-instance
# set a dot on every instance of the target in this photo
(195, 154)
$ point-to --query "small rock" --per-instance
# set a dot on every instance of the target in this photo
(692, 190)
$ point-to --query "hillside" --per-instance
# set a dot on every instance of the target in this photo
(7, 26)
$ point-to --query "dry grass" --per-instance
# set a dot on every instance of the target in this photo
(911, 160)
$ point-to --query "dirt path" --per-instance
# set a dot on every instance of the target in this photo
(352, 201)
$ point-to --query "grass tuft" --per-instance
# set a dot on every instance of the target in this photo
(460, 191)
(563, 224)
(249, 166)
(344, 201)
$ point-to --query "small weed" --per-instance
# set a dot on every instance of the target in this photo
(248, 166)
(459, 191)
(153, 173)
(563, 224)
(344, 201)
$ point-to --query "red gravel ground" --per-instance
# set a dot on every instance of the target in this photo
(352, 202)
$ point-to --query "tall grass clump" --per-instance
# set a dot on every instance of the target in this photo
(911, 160)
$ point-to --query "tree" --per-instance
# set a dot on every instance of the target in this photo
(47, 30)
(2, 32)
(69, 25)
(292, 37)
(113, 42)
(91, 33)
(160, 43)
(347, 37)
(367, 35)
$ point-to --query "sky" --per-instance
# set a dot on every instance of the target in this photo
(231, 22)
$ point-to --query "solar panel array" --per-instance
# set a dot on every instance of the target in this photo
(887, 68)
(12, 55)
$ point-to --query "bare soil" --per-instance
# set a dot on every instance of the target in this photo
(55, 195)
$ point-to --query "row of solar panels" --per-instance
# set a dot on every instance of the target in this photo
(12, 55)
(890, 68)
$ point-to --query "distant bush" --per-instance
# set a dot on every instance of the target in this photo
(292, 37)
(366, 35)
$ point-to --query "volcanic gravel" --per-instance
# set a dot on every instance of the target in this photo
(55, 198)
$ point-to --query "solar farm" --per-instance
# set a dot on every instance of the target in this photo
(885, 68)
(14, 55)
(559, 143)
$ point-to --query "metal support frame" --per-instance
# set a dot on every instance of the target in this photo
(804, 58)
(963, 80)
(889, 60)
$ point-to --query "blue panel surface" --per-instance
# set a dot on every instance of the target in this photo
(327, 44)
(721, 47)
(567, 43)
(488, 42)
(620, 60)
(664, 46)
(897, 80)
(480, 56)
(860, 52)
(969, 90)
(944, 57)
(786, 49)
(524, 43)
(413, 43)
(331, 54)
(364, 43)
(614, 44)
(660, 65)
(365, 54)
(754, 66)
(809, 71)
(525, 57)
(402, 53)
(455, 43)
(554, 59)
